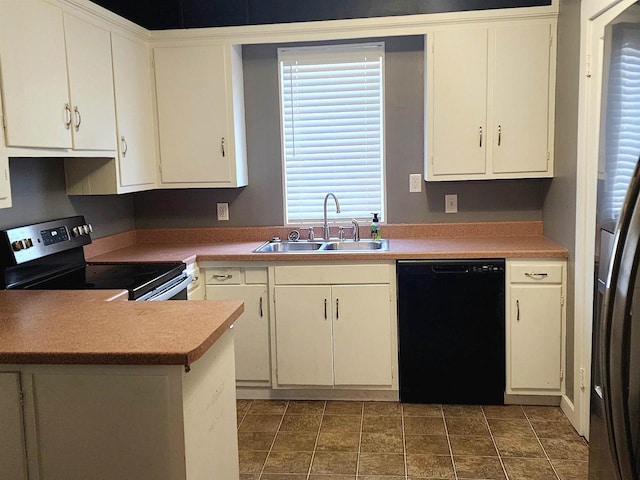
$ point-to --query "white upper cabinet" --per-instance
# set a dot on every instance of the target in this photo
(459, 102)
(134, 107)
(200, 101)
(90, 85)
(33, 66)
(56, 79)
(521, 107)
(490, 101)
(134, 167)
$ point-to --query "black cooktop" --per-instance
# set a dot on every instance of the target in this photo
(137, 278)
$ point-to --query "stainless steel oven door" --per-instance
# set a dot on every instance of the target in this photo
(173, 290)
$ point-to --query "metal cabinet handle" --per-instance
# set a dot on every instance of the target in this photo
(499, 134)
(325, 308)
(535, 275)
(518, 310)
(67, 114)
(337, 308)
(222, 147)
(223, 276)
(261, 313)
(124, 146)
(78, 118)
(480, 137)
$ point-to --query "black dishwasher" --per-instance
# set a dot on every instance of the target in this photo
(451, 316)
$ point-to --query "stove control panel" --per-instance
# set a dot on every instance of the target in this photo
(22, 244)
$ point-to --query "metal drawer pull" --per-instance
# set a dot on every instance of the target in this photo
(223, 276)
(518, 310)
(480, 137)
(337, 308)
(499, 134)
(261, 314)
(535, 275)
(222, 146)
(78, 118)
(325, 308)
(68, 114)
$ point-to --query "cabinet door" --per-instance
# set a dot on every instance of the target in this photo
(134, 109)
(459, 102)
(192, 114)
(251, 330)
(361, 335)
(13, 458)
(303, 335)
(521, 98)
(90, 84)
(535, 336)
(35, 90)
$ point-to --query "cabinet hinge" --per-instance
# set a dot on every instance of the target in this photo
(588, 66)
(582, 384)
(561, 374)
(550, 39)
(562, 300)
(3, 120)
(21, 398)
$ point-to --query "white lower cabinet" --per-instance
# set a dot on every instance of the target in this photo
(340, 336)
(195, 290)
(126, 422)
(13, 456)
(252, 328)
(536, 327)
(335, 326)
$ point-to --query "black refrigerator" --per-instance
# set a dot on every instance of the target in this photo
(614, 443)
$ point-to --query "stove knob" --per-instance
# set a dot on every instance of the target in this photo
(75, 231)
(90, 228)
(17, 245)
(28, 243)
(85, 229)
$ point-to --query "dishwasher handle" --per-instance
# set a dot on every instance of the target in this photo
(444, 268)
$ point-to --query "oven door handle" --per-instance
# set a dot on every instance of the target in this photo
(168, 293)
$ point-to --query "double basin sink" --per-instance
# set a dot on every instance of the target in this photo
(323, 246)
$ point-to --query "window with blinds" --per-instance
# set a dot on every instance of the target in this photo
(332, 101)
(622, 131)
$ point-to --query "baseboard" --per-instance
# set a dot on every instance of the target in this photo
(250, 393)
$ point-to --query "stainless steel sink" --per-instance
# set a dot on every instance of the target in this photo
(362, 245)
(279, 246)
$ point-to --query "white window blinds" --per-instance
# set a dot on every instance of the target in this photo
(332, 126)
(622, 137)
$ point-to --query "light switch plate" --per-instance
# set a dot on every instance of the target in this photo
(223, 211)
(415, 182)
(451, 203)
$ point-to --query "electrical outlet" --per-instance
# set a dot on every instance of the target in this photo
(223, 211)
(451, 203)
(415, 182)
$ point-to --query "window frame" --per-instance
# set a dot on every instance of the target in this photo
(334, 47)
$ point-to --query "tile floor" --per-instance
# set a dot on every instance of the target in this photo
(318, 440)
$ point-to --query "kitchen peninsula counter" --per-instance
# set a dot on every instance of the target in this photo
(84, 327)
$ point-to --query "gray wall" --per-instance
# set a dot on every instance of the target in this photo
(559, 212)
(261, 202)
(38, 193)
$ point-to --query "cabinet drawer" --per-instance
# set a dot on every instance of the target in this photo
(536, 272)
(226, 276)
(332, 274)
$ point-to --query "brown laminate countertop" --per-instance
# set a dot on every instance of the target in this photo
(535, 246)
(83, 327)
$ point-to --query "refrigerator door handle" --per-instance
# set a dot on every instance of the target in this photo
(616, 329)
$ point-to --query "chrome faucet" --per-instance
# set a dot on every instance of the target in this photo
(325, 226)
(356, 230)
